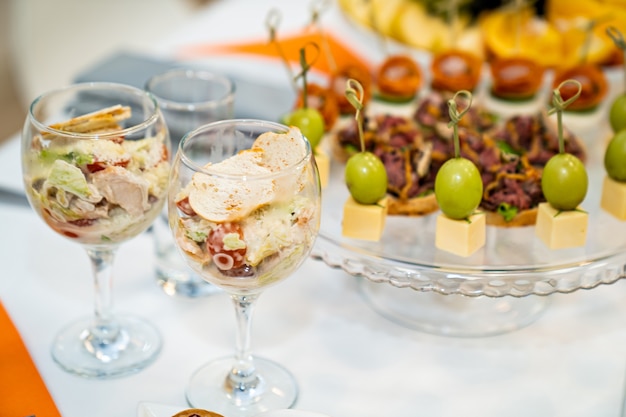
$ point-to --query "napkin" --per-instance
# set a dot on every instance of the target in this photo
(341, 54)
(22, 391)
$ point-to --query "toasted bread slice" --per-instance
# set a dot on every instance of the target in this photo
(416, 206)
(281, 150)
(218, 197)
(523, 218)
(221, 195)
(103, 119)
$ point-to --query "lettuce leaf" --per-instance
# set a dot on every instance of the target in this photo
(69, 178)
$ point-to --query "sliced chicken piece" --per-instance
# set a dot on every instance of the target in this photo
(88, 210)
(121, 187)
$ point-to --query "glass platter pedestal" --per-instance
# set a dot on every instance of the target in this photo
(501, 288)
(452, 315)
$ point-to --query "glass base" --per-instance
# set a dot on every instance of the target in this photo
(452, 315)
(276, 389)
(137, 345)
(188, 287)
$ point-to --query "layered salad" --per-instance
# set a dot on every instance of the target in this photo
(250, 220)
(94, 185)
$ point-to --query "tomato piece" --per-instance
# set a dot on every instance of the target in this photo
(184, 206)
(96, 166)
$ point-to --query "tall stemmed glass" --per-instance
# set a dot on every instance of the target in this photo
(95, 163)
(244, 208)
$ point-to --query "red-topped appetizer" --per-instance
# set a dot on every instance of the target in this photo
(515, 78)
(594, 86)
(455, 70)
(398, 78)
(338, 81)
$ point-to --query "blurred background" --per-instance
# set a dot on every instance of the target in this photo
(11, 109)
(43, 43)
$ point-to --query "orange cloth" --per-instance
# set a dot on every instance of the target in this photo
(22, 391)
(291, 44)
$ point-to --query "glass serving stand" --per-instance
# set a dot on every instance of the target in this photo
(500, 288)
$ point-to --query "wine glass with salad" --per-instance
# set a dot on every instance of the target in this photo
(244, 208)
(95, 165)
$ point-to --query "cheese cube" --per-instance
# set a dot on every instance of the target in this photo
(561, 229)
(614, 197)
(364, 221)
(460, 237)
(323, 165)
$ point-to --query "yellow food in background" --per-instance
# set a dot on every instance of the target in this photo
(415, 27)
(536, 38)
(358, 10)
(571, 17)
(600, 49)
(471, 40)
(408, 21)
(554, 40)
(383, 14)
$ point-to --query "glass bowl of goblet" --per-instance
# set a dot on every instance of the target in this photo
(95, 165)
(244, 208)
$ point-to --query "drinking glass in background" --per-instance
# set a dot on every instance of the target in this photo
(95, 168)
(188, 99)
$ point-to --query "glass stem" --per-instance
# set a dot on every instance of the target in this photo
(243, 379)
(104, 339)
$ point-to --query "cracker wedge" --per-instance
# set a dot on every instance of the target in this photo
(100, 120)
(281, 149)
(220, 198)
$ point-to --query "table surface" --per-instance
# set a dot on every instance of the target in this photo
(349, 361)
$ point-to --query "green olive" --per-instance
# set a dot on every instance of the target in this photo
(617, 114)
(615, 157)
(564, 181)
(366, 178)
(310, 122)
(458, 188)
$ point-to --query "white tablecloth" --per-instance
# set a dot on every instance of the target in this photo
(348, 360)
